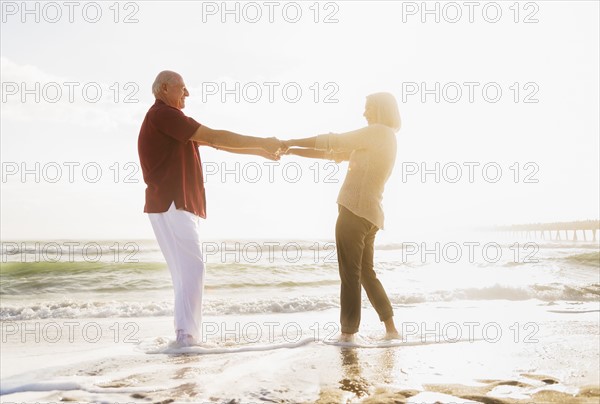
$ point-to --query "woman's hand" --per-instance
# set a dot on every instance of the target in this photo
(285, 147)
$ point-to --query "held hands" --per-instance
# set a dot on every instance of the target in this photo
(274, 148)
(285, 148)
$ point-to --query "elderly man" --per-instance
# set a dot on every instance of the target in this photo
(175, 200)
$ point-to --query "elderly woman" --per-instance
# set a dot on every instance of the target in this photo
(371, 152)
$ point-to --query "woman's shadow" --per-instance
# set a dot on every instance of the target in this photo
(354, 379)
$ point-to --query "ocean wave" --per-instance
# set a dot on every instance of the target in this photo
(73, 309)
(591, 259)
(239, 305)
(11, 270)
(24, 269)
(546, 293)
(74, 277)
(96, 277)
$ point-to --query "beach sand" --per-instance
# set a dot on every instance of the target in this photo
(293, 358)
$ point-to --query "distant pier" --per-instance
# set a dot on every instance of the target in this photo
(568, 231)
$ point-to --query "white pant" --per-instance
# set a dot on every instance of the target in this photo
(177, 233)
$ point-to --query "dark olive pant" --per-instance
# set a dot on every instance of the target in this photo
(355, 242)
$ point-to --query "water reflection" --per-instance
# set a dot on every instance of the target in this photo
(377, 366)
(352, 371)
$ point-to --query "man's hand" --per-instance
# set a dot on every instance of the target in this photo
(268, 156)
(284, 147)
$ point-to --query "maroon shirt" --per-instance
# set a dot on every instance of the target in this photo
(171, 161)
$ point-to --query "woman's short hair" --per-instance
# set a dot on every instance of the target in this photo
(386, 109)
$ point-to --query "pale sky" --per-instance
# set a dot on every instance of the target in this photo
(373, 46)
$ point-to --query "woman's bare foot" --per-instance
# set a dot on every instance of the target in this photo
(390, 329)
(345, 337)
(392, 335)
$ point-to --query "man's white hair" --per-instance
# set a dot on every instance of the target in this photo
(164, 77)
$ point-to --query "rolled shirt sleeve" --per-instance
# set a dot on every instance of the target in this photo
(323, 142)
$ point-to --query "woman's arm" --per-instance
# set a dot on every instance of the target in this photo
(339, 142)
(309, 153)
(319, 154)
(307, 142)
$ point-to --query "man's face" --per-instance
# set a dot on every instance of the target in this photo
(174, 93)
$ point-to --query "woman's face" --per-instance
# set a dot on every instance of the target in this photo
(370, 113)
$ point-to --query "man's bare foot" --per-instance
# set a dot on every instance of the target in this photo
(183, 340)
(345, 337)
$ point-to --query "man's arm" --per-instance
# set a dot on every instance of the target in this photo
(229, 140)
(254, 152)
